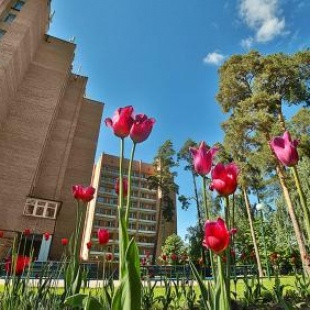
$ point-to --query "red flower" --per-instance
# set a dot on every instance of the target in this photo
(85, 194)
(141, 128)
(89, 245)
(143, 261)
(121, 122)
(46, 236)
(125, 186)
(64, 241)
(1, 233)
(285, 149)
(27, 232)
(217, 237)
(173, 257)
(103, 236)
(243, 256)
(202, 158)
(224, 179)
(21, 263)
(109, 257)
(164, 257)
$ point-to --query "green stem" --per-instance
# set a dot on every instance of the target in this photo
(129, 184)
(303, 201)
(222, 298)
(227, 252)
(121, 238)
(204, 195)
(121, 190)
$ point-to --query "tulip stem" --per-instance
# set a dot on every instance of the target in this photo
(227, 251)
(224, 297)
(129, 183)
(204, 194)
(303, 201)
(122, 239)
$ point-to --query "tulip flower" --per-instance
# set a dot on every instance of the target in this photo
(103, 236)
(1, 233)
(84, 194)
(141, 128)
(121, 122)
(125, 186)
(202, 158)
(109, 257)
(224, 179)
(27, 232)
(143, 261)
(217, 236)
(285, 149)
(173, 257)
(21, 263)
(64, 241)
(164, 257)
(89, 245)
(46, 236)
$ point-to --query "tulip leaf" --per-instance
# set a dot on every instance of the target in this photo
(86, 302)
(204, 291)
(128, 294)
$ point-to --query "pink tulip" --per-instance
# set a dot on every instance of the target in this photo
(141, 128)
(103, 236)
(27, 232)
(125, 186)
(46, 236)
(217, 237)
(121, 122)
(224, 179)
(64, 241)
(84, 194)
(21, 263)
(202, 158)
(109, 257)
(285, 149)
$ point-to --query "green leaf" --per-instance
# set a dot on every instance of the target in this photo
(87, 302)
(203, 290)
(75, 300)
(128, 294)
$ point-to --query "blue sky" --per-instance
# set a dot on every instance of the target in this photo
(162, 57)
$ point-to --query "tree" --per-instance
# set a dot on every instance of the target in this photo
(253, 89)
(174, 245)
(163, 181)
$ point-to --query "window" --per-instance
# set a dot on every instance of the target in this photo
(9, 18)
(2, 32)
(18, 5)
(41, 208)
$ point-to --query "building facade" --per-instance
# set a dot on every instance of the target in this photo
(145, 223)
(48, 129)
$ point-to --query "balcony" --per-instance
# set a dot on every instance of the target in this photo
(41, 208)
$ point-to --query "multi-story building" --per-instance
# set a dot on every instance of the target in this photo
(146, 224)
(48, 129)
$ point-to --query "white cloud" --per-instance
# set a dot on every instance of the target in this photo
(263, 17)
(247, 43)
(214, 58)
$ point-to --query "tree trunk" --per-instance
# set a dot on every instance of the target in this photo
(291, 211)
(158, 225)
(289, 204)
(203, 255)
(248, 209)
